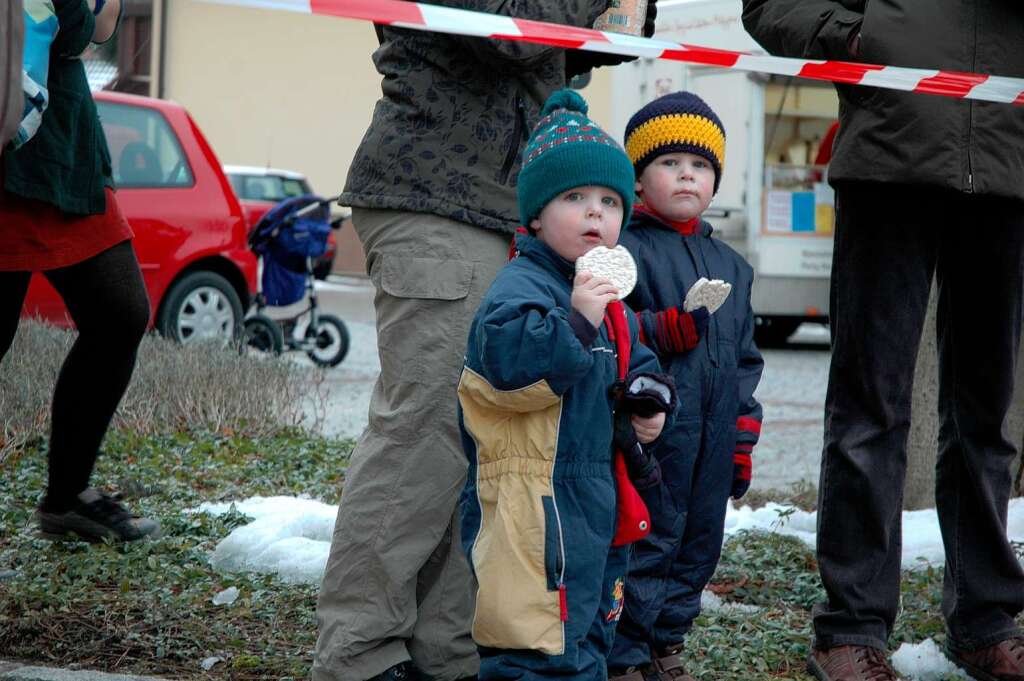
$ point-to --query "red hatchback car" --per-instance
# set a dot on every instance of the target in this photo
(190, 231)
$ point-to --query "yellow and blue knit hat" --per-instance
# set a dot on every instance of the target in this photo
(566, 150)
(680, 121)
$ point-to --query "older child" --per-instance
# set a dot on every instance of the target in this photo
(677, 145)
(536, 414)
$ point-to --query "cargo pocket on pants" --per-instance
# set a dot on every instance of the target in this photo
(423, 319)
(425, 278)
(423, 316)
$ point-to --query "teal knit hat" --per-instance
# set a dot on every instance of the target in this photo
(566, 150)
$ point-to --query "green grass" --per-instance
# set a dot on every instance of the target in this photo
(146, 608)
(778, 574)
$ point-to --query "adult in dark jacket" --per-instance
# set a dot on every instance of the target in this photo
(433, 191)
(925, 187)
(12, 36)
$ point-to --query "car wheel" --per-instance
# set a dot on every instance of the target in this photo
(262, 334)
(329, 338)
(201, 306)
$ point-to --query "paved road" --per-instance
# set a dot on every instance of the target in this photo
(792, 389)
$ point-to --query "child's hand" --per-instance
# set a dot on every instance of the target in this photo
(648, 428)
(591, 295)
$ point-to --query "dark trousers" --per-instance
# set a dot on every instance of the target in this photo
(671, 566)
(890, 240)
(108, 303)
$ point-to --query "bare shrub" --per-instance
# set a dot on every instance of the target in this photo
(174, 388)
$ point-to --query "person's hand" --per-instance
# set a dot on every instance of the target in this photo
(742, 469)
(648, 428)
(106, 20)
(591, 295)
(652, 14)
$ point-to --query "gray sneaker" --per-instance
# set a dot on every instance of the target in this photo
(96, 517)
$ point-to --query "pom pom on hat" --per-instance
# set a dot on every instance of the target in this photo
(570, 100)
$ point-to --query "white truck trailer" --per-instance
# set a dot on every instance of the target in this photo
(774, 206)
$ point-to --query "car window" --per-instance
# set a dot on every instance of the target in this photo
(293, 188)
(267, 187)
(238, 184)
(144, 151)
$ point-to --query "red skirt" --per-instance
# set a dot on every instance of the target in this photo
(36, 236)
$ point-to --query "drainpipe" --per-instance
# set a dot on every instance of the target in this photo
(161, 70)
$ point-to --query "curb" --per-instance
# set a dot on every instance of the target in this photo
(13, 671)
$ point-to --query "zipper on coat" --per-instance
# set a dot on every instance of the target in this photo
(696, 249)
(970, 108)
(563, 596)
(519, 133)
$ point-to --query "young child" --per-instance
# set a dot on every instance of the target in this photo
(677, 145)
(536, 415)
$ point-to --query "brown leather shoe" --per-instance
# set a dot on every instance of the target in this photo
(669, 667)
(1003, 661)
(630, 674)
(850, 663)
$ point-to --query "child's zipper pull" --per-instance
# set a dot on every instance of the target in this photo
(563, 603)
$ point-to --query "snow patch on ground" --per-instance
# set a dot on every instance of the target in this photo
(922, 540)
(712, 602)
(291, 536)
(924, 661)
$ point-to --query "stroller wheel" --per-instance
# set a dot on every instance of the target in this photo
(261, 333)
(329, 341)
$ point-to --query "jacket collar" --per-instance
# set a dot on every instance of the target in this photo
(536, 250)
(645, 215)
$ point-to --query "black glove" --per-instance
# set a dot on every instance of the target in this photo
(645, 394)
(652, 14)
(642, 467)
(580, 61)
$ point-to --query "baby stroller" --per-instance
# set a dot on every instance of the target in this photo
(286, 240)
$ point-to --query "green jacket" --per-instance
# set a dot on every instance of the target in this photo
(67, 162)
(447, 134)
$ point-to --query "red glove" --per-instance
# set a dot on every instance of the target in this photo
(742, 466)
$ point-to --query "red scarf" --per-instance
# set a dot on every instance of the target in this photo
(684, 227)
(633, 520)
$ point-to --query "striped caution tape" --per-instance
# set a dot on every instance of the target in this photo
(425, 17)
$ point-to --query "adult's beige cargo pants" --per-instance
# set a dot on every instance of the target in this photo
(397, 585)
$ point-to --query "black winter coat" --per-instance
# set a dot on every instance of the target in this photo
(895, 136)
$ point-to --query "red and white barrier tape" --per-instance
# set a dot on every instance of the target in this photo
(424, 17)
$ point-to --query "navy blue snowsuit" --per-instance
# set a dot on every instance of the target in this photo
(539, 506)
(717, 411)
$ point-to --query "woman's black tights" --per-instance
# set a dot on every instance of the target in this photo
(107, 300)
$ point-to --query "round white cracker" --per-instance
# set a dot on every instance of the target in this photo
(615, 264)
(709, 294)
